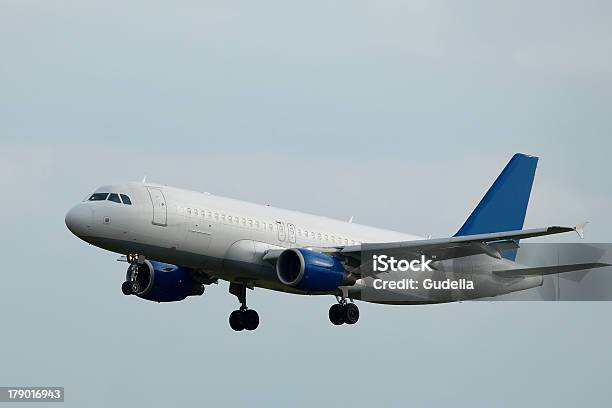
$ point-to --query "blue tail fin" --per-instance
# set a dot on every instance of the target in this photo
(504, 206)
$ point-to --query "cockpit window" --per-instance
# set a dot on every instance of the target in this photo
(98, 197)
(114, 197)
(126, 199)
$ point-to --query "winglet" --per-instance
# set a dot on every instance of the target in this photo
(580, 229)
(350, 220)
(144, 179)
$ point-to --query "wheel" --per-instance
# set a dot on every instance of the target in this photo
(250, 319)
(126, 288)
(235, 320)
(350, 313)
(335, 315)
(135, 287)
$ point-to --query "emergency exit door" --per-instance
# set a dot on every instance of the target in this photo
(282, 235)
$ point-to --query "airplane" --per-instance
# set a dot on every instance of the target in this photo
(177, 242)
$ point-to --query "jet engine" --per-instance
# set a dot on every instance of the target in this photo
(162, 282)
(312, 271)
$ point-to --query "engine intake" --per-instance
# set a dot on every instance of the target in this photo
(162, 282)
(312, 271)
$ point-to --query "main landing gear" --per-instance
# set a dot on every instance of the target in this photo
(343, 312)
(243, 318)
(131, 286)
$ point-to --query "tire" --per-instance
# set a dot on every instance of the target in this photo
(250, 319)
(235, 320)
(135, 287)
(336, 315)
(126, 288)
(350, 313)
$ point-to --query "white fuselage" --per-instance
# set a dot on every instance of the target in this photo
(201, 230)
(221, 237)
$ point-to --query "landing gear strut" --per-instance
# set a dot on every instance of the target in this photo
(131, 285)
(343, 312)
(243, 318)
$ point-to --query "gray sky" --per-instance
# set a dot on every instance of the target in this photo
(398, 113)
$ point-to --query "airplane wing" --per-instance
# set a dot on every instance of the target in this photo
(440, 249)
(459, 246)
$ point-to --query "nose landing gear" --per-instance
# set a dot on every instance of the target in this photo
(126, 288)
(243, 318)
(131, 286)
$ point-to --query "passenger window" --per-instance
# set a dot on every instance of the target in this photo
(126, 199)
(114, 197)
(257, 224)
(98, 197)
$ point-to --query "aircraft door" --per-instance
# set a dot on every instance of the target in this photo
(160, 212)
(282, 234)
(291, 233)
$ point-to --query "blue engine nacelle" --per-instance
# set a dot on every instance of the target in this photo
(311, 271)
(162, 282)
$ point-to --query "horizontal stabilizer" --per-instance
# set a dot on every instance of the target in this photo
(548, 270)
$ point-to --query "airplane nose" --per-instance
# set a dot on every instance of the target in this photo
(79, 219)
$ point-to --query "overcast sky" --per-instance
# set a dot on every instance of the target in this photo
(400, 114)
